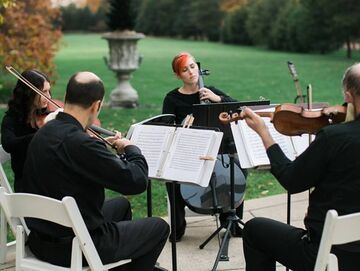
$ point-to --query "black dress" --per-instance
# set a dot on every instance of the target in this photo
(15, 139)
(180, 105)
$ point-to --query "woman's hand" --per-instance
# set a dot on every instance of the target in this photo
(206, 93)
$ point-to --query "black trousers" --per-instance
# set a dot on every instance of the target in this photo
(267, 241)
(141, 240)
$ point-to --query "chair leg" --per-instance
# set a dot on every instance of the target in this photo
(3, 237)
(76, 256)
(332, 263)
(20, 247)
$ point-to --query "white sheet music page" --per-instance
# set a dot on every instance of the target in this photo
(251, 150)
(183, 162)
(153, 142)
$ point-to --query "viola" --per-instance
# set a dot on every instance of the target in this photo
(293, 120)
(52, 103)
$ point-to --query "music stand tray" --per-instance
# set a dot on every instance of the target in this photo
(207, 115)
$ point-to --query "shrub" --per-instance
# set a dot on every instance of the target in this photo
(30, 36)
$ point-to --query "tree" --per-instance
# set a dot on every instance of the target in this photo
(342, 19)
(232, 5)
(234, 30)
(3, 5)
(261, 14)
(121, 15)
(30, 35)
(207, 18)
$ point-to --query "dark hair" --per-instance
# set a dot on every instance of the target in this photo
(22, 101)
(84, 93)
(351, 79)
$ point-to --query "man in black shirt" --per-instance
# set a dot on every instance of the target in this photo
(331, 165)
(63, 160)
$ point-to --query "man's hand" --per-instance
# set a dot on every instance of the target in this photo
(119, 142)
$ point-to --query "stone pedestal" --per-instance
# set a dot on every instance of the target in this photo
(123, 60)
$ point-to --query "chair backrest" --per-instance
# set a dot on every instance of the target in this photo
(337, 230)
(4, 182)
(65, 213)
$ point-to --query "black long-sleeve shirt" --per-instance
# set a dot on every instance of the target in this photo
(63, 160)
(15, 138)
(180, 104)
(331, 165)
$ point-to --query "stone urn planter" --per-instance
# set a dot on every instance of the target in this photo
(123, 59)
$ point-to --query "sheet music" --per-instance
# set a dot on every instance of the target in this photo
(251, 149)
(184, 155)
(153, 142)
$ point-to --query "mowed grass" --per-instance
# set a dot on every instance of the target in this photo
(245, 73)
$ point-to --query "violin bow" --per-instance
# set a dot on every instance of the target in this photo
(14, 72)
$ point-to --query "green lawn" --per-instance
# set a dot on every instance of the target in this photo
(245, 73)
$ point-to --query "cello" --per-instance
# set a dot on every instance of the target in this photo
(216, 197)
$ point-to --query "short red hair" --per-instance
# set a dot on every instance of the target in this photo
(179, 61)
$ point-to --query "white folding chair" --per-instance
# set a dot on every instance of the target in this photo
(66, 213)
(337, 230)
(5, 247)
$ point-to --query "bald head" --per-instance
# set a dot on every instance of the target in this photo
(83, 89)
(351, 80)
(86, 77)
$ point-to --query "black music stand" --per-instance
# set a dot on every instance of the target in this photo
(208, 115)
(169, 120)
(160, 119)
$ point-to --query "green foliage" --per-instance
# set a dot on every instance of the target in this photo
(154, 19)
(121, 15)
(189, 19)
(261, 17)
(233, 30)
(6, 84)
(299, 25)
(332, 23)
(82, 19)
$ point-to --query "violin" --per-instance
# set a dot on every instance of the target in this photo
(293, 120)
(41, 114)
(41, 117)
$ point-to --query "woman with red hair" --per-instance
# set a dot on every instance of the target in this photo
(179, 102)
